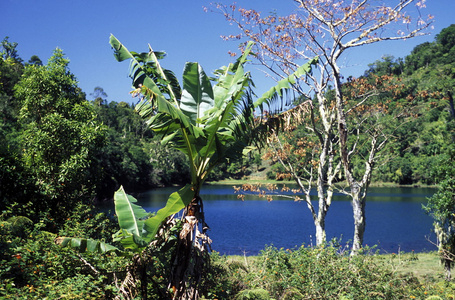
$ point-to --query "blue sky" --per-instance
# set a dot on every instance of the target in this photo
(179, 27)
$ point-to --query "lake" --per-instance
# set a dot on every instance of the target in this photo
(395, 220)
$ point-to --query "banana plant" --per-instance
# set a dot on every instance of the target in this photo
(137, 228)
(137, 231)
(211, 121)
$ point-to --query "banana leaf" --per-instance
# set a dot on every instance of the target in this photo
(139, 76)
(130, 216)
(85, 245)
(197, 95)
(176, 202)
(137, 231)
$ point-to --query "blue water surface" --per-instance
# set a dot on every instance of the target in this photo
(395, 220)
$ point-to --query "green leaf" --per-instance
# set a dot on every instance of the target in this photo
(176, 202)
(137, 73)
(197, 95)
(82, 245)
(284, 84)
(129, 214)
(121, 52)
(129, 241)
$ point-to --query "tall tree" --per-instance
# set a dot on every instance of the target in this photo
(61, 134)
(99, 95)
(328, 29)
(11, 69)
(8, 50)
(35, 60)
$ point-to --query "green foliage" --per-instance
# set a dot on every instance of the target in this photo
(133, 157)
(86, 245)
(131, 218)
(19, 226)
(8, 50)
(209, 124)
(59, 139)
(388, 65)
(32, 265)
(441, 206)
(55, 116)
(137, 227)
(253, 294)
(11, 70)
(422, 125)
(151, 261)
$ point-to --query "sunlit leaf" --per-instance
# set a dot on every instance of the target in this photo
(176, 202)
(129, 214)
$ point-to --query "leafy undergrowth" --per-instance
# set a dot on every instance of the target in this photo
(325, 273)
(32, 266)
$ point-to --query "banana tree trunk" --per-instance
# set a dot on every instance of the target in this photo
(191, 257)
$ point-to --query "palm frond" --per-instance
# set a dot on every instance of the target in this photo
(276, 92)
(137, 72)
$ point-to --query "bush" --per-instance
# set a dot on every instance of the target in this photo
(221, 280)
(33, 266)
(254, 294)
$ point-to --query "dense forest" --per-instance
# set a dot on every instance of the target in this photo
(62, 151)
(428, 76)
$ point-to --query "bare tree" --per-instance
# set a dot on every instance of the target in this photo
(327, 29)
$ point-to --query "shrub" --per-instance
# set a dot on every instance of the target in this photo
(254, 294)
(33, 266)
(20, 226)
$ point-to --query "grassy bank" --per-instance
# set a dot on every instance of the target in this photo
(424, 265)
(324, 273)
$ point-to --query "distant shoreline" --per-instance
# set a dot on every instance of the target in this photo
(252, 180)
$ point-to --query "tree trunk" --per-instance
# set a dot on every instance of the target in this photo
(358, 209)
(448, 267)
(320, 231)
(326, 174)
(191, 257)
(451, 106)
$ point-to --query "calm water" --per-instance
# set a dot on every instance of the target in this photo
(394, 216)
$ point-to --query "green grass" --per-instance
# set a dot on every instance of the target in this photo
(425, 265)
